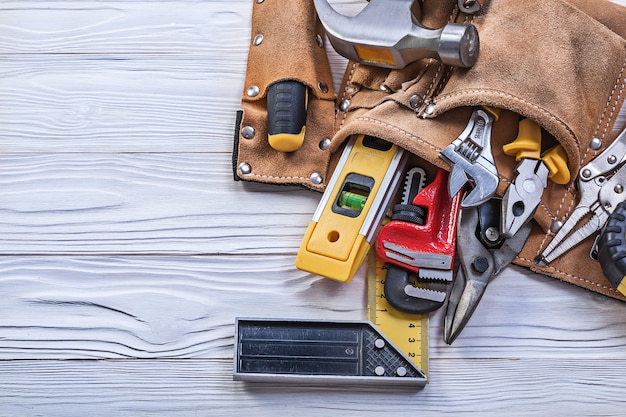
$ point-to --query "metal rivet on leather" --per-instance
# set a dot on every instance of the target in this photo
(259, 1)
(430, 109)
(247, 132)
(316, 178)
(325, 144)
(319, 40)
(556, 226)
(469, 6)
(344, 105)
(245, 168)
(253, 91)
(322, 86)
(257, 40)
(415, 101)
(382, 87)
(596, 144)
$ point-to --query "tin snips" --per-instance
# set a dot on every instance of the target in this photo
(601, 185)
(482, 252)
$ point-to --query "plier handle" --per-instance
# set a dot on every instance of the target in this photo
(523, 195)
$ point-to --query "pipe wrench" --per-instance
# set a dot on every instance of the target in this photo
(471, 158)
(420, 238)
(522, 197)
(601, 186)
(482, 253)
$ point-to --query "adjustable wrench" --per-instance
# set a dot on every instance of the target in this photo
(471, 158)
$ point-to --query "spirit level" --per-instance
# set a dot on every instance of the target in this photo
(339, 236)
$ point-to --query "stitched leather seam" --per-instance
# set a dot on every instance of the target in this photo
(430, 88)
(403, 132)
(620, 80)
(275, 177)
(505, 94)
(344, 94)
(577, 278)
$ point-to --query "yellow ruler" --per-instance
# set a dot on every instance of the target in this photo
(409, 332)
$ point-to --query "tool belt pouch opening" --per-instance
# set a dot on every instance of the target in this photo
(287, 44)
(559, 63)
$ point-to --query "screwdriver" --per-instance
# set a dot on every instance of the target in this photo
(286, 115)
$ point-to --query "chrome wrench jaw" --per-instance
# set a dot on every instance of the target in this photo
(522, 197)
(472, 161)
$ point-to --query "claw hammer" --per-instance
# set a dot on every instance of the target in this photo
(386, 33)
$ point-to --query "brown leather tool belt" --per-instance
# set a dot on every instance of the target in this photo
(560, 63)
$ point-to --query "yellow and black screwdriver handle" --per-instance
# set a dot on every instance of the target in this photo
(287, 103)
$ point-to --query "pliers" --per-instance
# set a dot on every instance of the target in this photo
(601, 184)
(472, 160)
(522, 197)
(482, 253)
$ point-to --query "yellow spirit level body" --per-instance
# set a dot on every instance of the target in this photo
(352, 208)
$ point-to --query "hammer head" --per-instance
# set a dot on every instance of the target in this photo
(387, 34)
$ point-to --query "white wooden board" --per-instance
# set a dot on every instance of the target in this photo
(127, 250)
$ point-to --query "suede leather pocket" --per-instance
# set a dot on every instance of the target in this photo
(287, 43)
(570, 79)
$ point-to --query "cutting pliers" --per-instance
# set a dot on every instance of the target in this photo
(482, 253)
(522, 197)
(601, 184)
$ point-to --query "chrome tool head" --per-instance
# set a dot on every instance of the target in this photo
(387, 34)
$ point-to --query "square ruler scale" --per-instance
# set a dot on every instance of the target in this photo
(409, 332)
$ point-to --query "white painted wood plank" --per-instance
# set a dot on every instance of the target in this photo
(129, 27)
(185, 307)
(529, 387)
(144, 203)
(123, 76)
(151, 307)
(121, 103)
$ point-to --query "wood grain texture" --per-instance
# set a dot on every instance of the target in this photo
(111, 307)
(144, 203)
(205, 388)
(127, 250)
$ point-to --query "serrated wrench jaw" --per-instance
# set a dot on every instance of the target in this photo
(471, 161)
